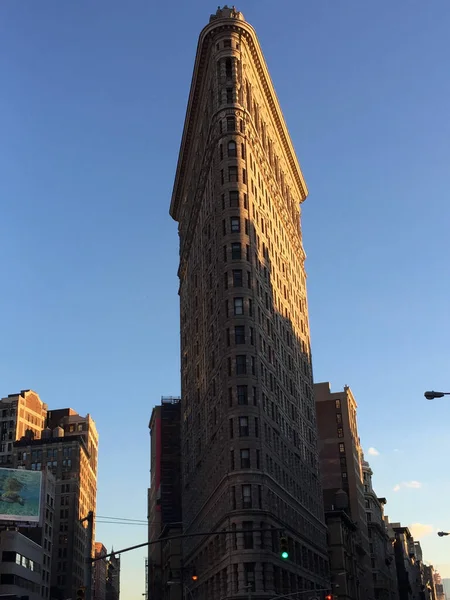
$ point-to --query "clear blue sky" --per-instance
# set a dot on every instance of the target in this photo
(92, 104)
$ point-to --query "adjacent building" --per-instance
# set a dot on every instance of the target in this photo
(249, 433)
(113, 578)
(20, 566)
(20, 414)
(341, 469)
(68, 448)
(100, 572)
(380, 546)
(165, 576)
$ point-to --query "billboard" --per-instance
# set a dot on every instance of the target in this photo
(20, 495)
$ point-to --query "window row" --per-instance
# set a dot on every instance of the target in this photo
(237, 307)
(233, 175)
(244, 459)
(242, 365)
(230, 125)
(243, 395)
(243, 426)
(234, 225)
(237, 335)
(234, 200)
(232, 150)
(237, 279)
(236, 252)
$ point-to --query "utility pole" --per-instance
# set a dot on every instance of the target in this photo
(88, 565)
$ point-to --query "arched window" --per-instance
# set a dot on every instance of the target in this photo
(232, 152)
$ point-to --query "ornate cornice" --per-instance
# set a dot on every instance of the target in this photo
(247, 31)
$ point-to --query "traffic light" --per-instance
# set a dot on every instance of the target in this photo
(284, 548)
(81, 593)
(194, 575)
(328, 597)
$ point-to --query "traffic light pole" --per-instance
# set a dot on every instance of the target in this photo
(89, 559)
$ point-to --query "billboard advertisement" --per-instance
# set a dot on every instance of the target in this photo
(20, 495)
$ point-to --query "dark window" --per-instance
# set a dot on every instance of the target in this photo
(369, 517)
(233, 174)
(231, 124)
(247, 526)
(222, 178)
(249, 573)
(227, 43)
(224, 254)
(235, 224)
(237, 278)
(239, 334)
(234, 199)
(243, 150)
(246, 496)
(241, 364)
(232, 152)
(344, 474)
(7, 579)
(232, 460)
(8, 556)
(236, 251)
(238, 306)
(258, 460)
(221, 151)
(340, 432)
(339, 418)
(225, 280)
(244, 176)
(242, 394)
(245, 458)
(231, 429)
(230, 99)
(243, 427)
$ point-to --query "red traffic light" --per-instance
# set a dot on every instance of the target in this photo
(328, 597)
(194, 575)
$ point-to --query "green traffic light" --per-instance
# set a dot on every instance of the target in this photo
(285, 555)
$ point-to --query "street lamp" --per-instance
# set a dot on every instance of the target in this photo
(442, 533)
(432, 395)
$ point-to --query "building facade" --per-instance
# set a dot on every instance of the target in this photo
(69, 451)
(113, 578)
(380, 547)
(341, 468)
(165, 577)
(249, 437)
(20, 414)
(100, 572)
(20, 566)
(42, 535)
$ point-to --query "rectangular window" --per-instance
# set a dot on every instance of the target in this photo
(224, 254)
(244, 176)
(256, 426)
(222, 178)
(238, 306)
(241, 364)
(231, 124)
(242, 395)
(246, 496)
(237, 278)
(239, 334)
(236, 251)
(258, 459)
(234, 199)
(245, 458)
(231, 429)
(230, 96)
(232, 460)
(339, 418)
(233, 497)
(233, 174)
(340, 432)
(247, 526)
(235, 224)
(341, 448)
(243, 427)
(338, 404)
(249, 576)
(225, 280)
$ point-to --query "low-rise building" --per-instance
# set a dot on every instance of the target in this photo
(20, 565)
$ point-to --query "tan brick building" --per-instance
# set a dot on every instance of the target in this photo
(249, 440)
